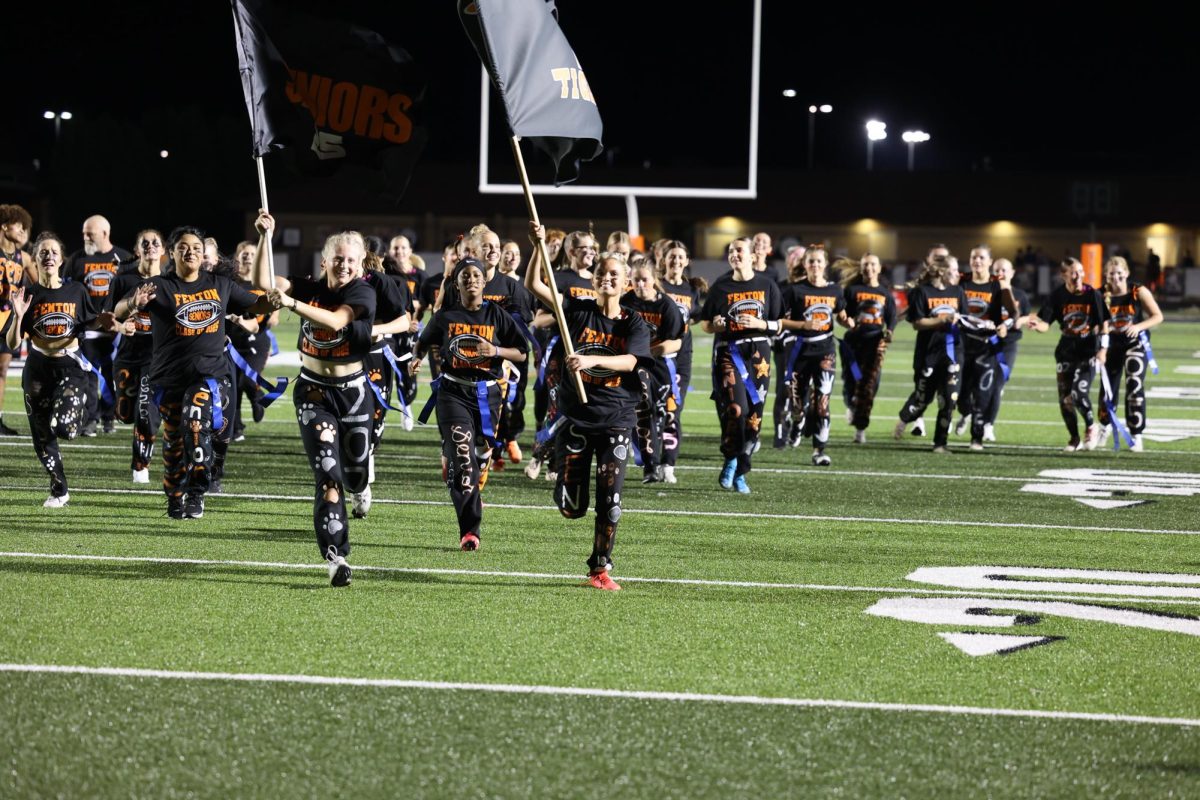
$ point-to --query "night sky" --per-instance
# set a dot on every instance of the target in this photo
(997, 88)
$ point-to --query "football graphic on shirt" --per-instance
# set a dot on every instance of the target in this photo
(943, 310)
(820, 313)
(465, 347)
(1076, 323)
(198, 314)
(321, 338)
(55, 326)
(596, 349)
(752, 307)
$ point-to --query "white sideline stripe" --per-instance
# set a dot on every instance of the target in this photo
(680, 513)
(577, 691)
(815, 587)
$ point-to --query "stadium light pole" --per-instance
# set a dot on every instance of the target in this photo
(912, 139)
(824, 108)
(876, 132)
(58, 118)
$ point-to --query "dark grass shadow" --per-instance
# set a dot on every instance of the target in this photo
(1191, 769)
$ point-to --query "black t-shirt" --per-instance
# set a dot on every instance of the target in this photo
(458, 333)
(687, 300)
(58, 314)
(346, 344)
(663, 321)
(96, 273)
(759, 297)
(1079, 317)
(1126, 310)
(873, 310)
(431, 289)
(816, 304)
(612, 396)
(413, 281)
(925, 301)
(391, 295)
(188, 326)
(243, 340)
(983, 304)
(1023, 306)
(135, 348)
(571, 285)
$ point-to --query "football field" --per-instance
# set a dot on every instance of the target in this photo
(1021, 622)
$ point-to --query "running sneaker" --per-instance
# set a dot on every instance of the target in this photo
(551, 476)
(669, 474)
(727, 474)
(108, 425)
(497, 460)
(193, 506)
(1072, 446)
(656, 475)
(601, 580)
(89, 429)
(484, 471)
(241, 437)
(56, 502)
(468, 542)
(849, 416)
(406, 420)
(1137, 446)
(820, 458)
(175, 507)
(339, 570)
(1105, 432)
(533, 469)
(141, 476)
(739, 483)
(898, 431)
(215, 486)
(989, 432)
(7, 431)
(918, 428)
(976, 445)
(860, 436)
(1092, 437)
(941, 450)
(795, 435)
(514, 452)
(963, 423)
(360, 503)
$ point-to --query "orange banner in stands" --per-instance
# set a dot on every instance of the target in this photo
(1092, 256)
(639, 242)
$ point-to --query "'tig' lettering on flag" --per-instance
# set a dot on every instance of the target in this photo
(545, 93)
(337, 94)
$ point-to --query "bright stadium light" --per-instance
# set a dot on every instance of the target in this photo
(58, 120)
(876, 132)
(912, 139)
(824, 108)
(789, 92)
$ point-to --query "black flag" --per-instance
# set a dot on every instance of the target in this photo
(338, 94)
(546, 96)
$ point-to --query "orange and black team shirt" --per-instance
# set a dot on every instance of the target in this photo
(12, 277)
(243, 340)
(138, 347)
(1080, 319)
(187, 326)
(687, 300)
(662, 318)
(96, 272)
(413, 281)
(1126, 310)
(925, 301)
(872, 308)
(458, 333)
(1023, 306)
(815, 304)
(58, 315)
(611, 396)
(759, 297)
(983, 303)
(347, 344)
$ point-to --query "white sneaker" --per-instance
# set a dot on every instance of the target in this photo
(56, 502)
(989, 432)
(1105, 432)
(360, 503)
(963, 423)
(669, 475)
(141, 476)
(1092, 437)
(533, 469)
(551, 476)
(898, 431)
(406, 420)
(819, 459)
(976, 446)
(860, 437)
(918, 428)
(1136, 447)
(849, 416)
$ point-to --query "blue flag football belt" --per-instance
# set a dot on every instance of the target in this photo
(1118, 428)
(798, 347)
(1144, 338)
(394, 362)
(739, 366)
(482, 390)
(674, 373)
(541, 373)
(851, 362)
(998, 350)
(272, 392)
(80, 359)
(951, 343)
(218, 416)
(555, 422)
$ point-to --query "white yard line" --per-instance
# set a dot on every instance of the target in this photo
(577, 691)
(680, 513)
(1023, 594)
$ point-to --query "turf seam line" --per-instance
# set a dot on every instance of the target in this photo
(573, 691)
(706, 582)
(678, 512)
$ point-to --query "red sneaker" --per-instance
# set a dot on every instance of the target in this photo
(514, 452)
(468, 542)
(497, 464)
(601, 580)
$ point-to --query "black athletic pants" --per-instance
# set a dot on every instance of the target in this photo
(575, 449)
(466, 450)
(56, 392)
(135, 405)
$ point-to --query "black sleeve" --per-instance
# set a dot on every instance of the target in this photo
(638, 341)
(507, 332)
(916, 304)
(240, 298)
(774, 302)
(672, 321)
(361, 297)
(889, 312)
(432, 334)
